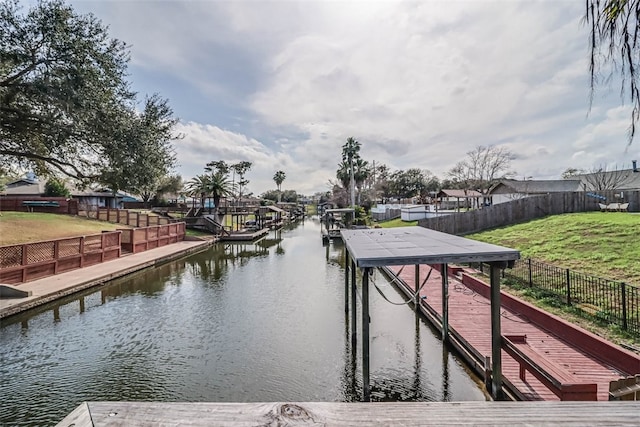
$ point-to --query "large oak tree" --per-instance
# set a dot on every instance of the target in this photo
(66, 107)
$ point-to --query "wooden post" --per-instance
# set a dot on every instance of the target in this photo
(416, 280)
(24, 262)
(445, 302)
(56, 254)
(346, 280)
(496, 334)
(82, 251)
(81, 304)
(354, 340)
(366, 387)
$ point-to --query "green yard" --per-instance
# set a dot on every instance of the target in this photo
(605, 244)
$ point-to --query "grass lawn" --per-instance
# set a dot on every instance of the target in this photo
(392, 223)
(25, 227)
(604, 244)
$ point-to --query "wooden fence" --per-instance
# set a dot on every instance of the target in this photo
(524, 209)
(15, 203)
(136, 240)
(30, 261)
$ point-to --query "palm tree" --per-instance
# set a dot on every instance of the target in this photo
(198, 186)
(350, 152)
(361, 172)
(279, 179)
(344, 174)
(219, 186)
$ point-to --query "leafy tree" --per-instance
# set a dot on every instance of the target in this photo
(56, 187)
(571, 172)
(170, 184)
(65, 106)
(217, 166)
(350, 153)
(615, 41)
(409, 183)
(241, 169)
(279, 178)
(142, 170)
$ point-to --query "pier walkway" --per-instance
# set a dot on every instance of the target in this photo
(469, 317)
(54, 287)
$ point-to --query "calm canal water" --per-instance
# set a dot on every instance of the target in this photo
(237, 323)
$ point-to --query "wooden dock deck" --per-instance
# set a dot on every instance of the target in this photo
(469, 317)
(531, 414)
(244, 235)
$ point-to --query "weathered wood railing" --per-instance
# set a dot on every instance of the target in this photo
(625, 388)
(30, 261)
(562, 383)
(145, 238)
(125, 217)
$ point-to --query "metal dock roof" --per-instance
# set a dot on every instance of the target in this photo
(378, 247)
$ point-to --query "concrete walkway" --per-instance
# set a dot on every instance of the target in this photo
(54, 287)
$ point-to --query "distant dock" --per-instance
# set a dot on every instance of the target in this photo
(244, 235)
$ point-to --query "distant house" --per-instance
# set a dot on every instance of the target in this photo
(510, 189)
(24, 187)
(455, 199)
(32, 187)
(618, 180)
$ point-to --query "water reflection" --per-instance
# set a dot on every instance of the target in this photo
(262, 321)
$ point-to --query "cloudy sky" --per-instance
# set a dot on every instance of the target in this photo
(419, 83)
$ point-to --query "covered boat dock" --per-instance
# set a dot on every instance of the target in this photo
(372, 248)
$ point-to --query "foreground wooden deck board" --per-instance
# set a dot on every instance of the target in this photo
(469, 315)
(98, 414)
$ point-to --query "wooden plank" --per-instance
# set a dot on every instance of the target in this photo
(364, 414)
(562, 383)
(80, 417)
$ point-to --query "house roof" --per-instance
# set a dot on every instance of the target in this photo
(459, 194)
(24, 187)
(623, 179)
(536, 186)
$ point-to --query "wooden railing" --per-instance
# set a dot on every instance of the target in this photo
(124, 216)
(562, 383)
(30, 261)
(136, 240)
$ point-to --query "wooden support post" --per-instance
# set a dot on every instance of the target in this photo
(496, 334)
(346, 280)
(366, 387)
(444, 268)
(416, 280)
(354, 334)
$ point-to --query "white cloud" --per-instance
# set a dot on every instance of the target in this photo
(418, 83)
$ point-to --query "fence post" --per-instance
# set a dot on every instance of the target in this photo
(24, 262)
(530, 274)
(82, 251)
(624, 306)
(568, 287)
(56, 254)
